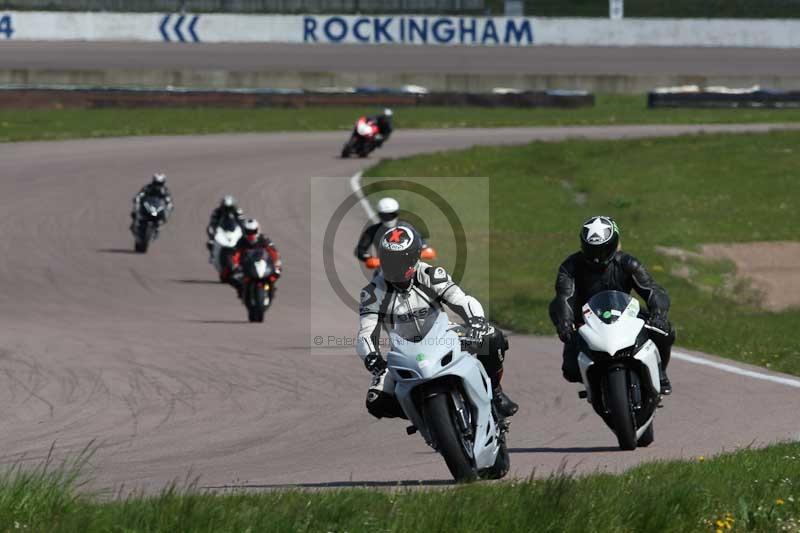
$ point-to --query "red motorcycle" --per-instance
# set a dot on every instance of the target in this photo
(364, 139)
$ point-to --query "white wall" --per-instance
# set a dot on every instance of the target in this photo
(497, 31)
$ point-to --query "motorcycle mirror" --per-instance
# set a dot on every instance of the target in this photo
(428, 254)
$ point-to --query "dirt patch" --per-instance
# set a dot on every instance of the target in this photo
(773, 268)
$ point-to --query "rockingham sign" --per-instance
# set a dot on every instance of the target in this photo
(493, 31)
(399, 29)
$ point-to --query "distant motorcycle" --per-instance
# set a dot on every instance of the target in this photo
(444, 391)
(257, 291)
(226, 235)
(364, 139)
(620, 367)
(151, 214)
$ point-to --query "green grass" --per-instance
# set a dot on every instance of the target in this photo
(679, 192)
(54, 124)
(754, 490)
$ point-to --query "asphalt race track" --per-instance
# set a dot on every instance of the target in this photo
(398, 59)
(150, 358)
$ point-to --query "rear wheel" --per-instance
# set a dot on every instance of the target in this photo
(647, 437)
(620, 406)
(449, 440)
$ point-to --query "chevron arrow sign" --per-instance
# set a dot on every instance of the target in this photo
(182, 28)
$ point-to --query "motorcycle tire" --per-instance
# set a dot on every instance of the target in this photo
(140, 246)
(619, 405)
(258, 304)
(449, 440)
(647, 437)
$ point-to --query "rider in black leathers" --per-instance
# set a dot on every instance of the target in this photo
(226, 207)
(601, 266)
(384, 122)
(157, 187)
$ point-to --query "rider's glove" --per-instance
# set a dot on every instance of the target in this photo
(375, 363)
(566, 331)
(477, 327)
(659, 321)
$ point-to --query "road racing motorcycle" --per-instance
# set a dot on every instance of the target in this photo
(226, 235)
(257, 291)
(363, 140)
(151, 214)
(446, 394)
(620, 367)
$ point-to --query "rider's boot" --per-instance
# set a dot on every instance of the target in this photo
(505, 406)
(666, 386)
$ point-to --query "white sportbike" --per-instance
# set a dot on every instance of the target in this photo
(226, 235)
(620, 367)
(446, 394)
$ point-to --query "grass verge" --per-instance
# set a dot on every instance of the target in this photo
(676, 192)
(750, 490)
(56, 124)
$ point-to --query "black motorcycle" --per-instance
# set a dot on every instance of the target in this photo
(151, 214)
(257, 291)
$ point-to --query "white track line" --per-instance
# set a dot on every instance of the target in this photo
(791, 382)
(355, 184)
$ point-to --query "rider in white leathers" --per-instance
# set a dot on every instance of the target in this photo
(403, 295)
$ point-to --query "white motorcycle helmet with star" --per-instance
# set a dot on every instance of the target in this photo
(599, 240)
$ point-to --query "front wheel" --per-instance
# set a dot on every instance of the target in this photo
(449, 440)
(620, 407)
(255, 304)
(501, 465)
(140, 246)
(647, 437)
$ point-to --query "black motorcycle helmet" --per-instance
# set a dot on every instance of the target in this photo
(599, 240)
(399, 252)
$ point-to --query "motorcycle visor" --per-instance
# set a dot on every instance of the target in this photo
(398, 271)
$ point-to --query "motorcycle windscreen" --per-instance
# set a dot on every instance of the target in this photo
(610, 306)
(229, 223)
(257, 264)
(416, 324)
(155, 203)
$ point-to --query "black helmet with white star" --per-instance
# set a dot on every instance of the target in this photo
(599, 240)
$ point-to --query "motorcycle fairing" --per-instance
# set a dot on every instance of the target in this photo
(413, 365)
(611, 338)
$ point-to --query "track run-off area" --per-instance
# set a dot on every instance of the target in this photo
(152, 360)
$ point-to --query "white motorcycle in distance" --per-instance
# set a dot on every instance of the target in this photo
(226, 235)
(620, 367)
(445, 393)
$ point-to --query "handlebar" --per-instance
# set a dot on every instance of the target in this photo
(661, 331)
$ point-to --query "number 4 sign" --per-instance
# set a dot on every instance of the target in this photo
(5, 26)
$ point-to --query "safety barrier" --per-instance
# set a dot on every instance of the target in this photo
(105, 97)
